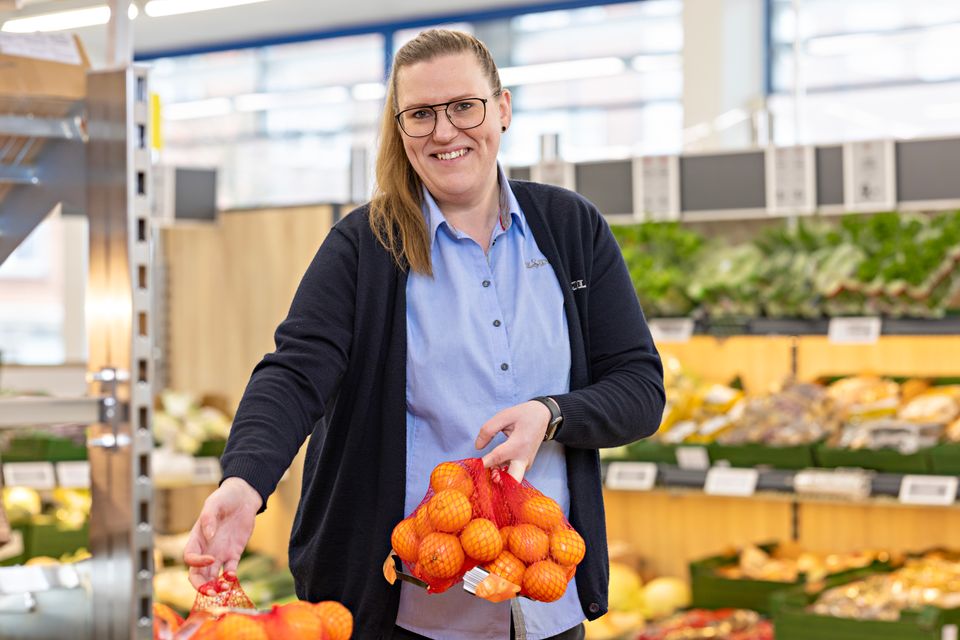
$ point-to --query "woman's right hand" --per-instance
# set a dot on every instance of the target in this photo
(222, 531)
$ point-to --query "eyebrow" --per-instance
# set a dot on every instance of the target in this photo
(462, 96)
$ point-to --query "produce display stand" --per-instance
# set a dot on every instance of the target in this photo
(100, 161)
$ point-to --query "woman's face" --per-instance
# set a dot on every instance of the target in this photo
(467, 176)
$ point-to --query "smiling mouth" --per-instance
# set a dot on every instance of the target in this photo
(453, 155)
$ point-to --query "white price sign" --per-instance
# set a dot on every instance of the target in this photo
(22, 579)
(791, 180)
(869, 175)
(695, 458)
(636, 476)
(730, 481)
(656, 188)
(206, 470)
(928, 490)
(854, 330)
(948, 632)
(35, 475)
(671, 329)
(74, 475)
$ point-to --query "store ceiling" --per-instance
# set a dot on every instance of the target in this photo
(271, 19)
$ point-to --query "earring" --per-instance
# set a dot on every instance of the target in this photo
(503, 129)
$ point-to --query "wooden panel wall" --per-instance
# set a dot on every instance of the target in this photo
(759, 361)
(229, 285)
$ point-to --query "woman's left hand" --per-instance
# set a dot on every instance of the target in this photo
(524, 425)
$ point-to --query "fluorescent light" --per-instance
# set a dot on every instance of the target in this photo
(65, 20)
(645, 63)
(208, 108)
(290, 99)
(557, 71)
(368, 91)
(160, 8)
(60, 21)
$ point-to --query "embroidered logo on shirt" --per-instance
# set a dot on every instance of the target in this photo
(533, 264)
(578, 284)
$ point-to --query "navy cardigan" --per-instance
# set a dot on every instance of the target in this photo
(339, 374)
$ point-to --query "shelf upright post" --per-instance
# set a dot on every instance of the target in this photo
(120, 363)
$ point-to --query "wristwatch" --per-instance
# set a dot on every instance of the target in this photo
(556, 418)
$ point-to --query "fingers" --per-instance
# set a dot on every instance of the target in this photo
(208, 524)
(197, 560)
(516, 469)
(490, 428)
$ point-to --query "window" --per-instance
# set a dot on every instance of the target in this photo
(868, 68)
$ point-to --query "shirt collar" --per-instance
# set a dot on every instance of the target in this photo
(510, 212)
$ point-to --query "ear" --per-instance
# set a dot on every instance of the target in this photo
(506, 109)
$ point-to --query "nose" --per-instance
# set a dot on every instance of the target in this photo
(444, 129)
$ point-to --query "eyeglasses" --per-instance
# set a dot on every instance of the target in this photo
(465, 113)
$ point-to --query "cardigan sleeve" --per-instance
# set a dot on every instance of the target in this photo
(625, 397)
(289, 389)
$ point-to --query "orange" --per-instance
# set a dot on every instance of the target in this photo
(298, 620)
(422, 521)
(567, 547)
(529, 542)
(450, 475)
(508, 567)
(505, 535)
(449, 511)
(166, 618)
(545, 581)
(238, 626)
(571, 571)
(207, 631)
(405, 540)
(441, 555)
(337, 619)
(481, 540)
(541, 511)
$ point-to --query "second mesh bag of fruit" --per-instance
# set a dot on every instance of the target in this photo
(472, 516)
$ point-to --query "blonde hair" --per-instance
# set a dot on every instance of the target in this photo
(396, 217)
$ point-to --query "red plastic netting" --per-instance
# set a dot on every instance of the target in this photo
(475, 516)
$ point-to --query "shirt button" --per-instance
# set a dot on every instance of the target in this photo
(485, 283)
(504, 366)
(593, 607)
(496, 323)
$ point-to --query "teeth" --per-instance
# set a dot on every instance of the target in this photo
(452, 154)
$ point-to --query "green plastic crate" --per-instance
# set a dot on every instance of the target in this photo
(43, 447)
(945, 459)
(712, 591)
(754, 455)
(887, 460)
(793, 622)
(652, 451)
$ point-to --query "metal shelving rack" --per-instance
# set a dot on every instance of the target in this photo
(108, 597)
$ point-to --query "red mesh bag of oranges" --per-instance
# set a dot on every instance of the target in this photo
(222, 611)
(516, 538)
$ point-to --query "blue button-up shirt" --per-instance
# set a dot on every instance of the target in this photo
(485, 333)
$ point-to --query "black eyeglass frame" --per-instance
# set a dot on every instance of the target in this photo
(445, 105)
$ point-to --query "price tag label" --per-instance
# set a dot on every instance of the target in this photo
(791, 180)
(854, 485)
(948, 632)
(928, 490)
(35, 475)
(23, 579)
(656, 188)
(636, 476)
(671, 329)
(869, 175)
(206, 470)
(730, 481)
(854, 330)
(14, 546)
(74, 475)
(695, 458)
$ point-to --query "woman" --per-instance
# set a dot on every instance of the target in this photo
(455, 299)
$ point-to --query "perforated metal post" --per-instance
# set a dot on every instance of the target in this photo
(119, 320)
